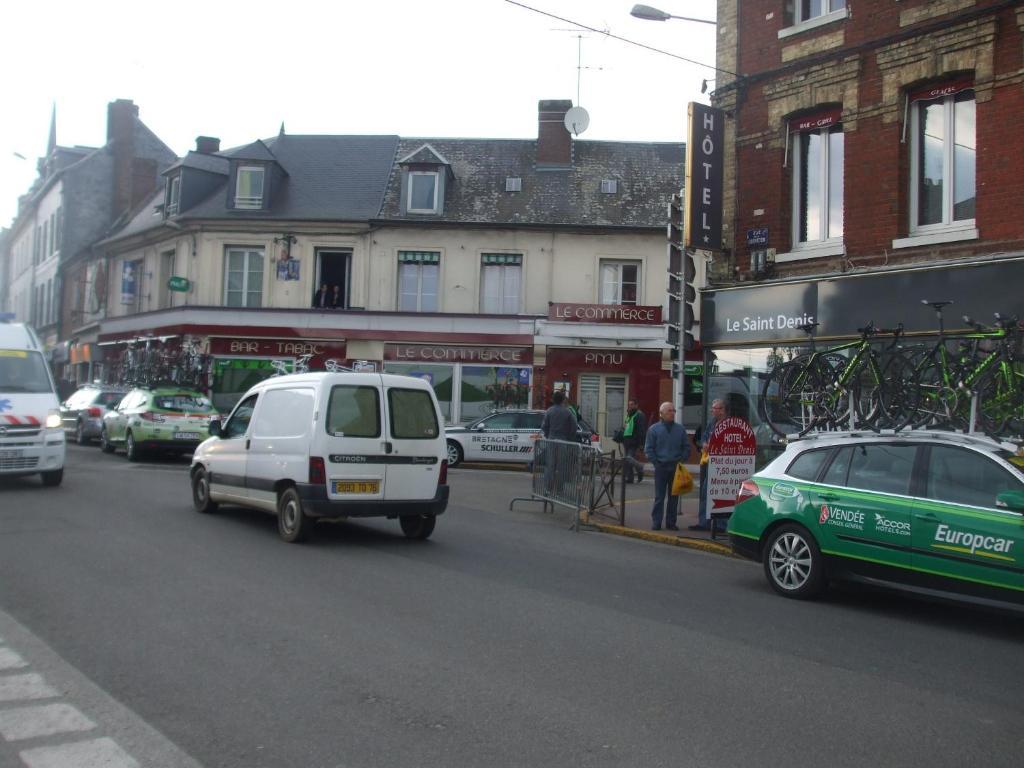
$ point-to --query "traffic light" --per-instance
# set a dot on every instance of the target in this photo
(676, 259)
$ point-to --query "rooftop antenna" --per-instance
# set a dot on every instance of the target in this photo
(579, 58)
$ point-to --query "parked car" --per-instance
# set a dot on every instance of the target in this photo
(82, 413)
(505, 436)
(310, 445)
(169, 419)
(936, 513)
(31, 438)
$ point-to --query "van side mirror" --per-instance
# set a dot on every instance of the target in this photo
(215, 428)
(1012, 500)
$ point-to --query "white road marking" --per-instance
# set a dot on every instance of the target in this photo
(42, 720)
(10, 660)
(98, 753)
(24, 687)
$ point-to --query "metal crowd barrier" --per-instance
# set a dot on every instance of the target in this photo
(572, 475)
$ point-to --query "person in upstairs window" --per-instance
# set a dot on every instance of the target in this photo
(337, 302)
(323, 297)
(667, 444)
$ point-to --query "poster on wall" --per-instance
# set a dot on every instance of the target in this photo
(288, 269)
(731, 450)
(129, 282)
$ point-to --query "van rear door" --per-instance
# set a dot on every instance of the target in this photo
(357, 447)
(417, 443)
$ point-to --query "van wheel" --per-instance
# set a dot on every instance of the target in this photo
(793, 563)
(454, 454)
(105, 445)
(201, 492)
(52, 479)
(293, 524)
(80, 437)
(417, 526)
(130, 449)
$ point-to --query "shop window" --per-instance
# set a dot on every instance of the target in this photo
(243, 277)
(490, 388)
(942, 134)
(418, 278)
(620, 282)
(501, 276)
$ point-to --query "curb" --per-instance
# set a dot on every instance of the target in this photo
(661, 538)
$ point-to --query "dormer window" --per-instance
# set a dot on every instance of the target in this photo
(422, 192)
(173, 195)
(249, 188)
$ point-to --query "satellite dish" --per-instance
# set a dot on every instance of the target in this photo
(576, 120)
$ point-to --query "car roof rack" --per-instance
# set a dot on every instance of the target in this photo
(916, 434)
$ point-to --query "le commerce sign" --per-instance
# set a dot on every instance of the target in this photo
(443, 353)
(605, 313)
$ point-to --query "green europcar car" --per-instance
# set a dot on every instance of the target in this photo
(936, 513)
(168, 419)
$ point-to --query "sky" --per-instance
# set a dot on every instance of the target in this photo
(416, 68)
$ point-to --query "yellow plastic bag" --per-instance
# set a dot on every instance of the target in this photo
(682, 482)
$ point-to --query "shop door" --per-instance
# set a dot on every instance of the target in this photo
(603, 404)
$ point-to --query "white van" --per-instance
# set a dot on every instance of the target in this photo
(31, 431)
(333, 445)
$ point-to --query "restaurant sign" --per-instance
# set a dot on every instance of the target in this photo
(444, 353)
(605, 313)
(276, 347)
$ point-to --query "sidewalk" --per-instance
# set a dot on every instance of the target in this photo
(640, 499)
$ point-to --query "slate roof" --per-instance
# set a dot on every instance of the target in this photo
(647, 174)
(202, 161)
(330, 178)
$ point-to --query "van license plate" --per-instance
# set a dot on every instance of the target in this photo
(10, 454)
(186, 435)
(361, 486)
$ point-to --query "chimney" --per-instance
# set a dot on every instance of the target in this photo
(554, 142)
(207, 145)
(121, 117)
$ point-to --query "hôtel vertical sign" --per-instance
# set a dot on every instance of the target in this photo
(705, 159)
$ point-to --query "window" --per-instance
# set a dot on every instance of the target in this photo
(817, 157)
(238, 424)
(418, 277)
(839, 468)
(620, 282)
(412, 415)
(422, 192)
(59, 227)
(882, 468)
(243, 277)
(353, 412)
(942, 132)
(285, 413)
(513, 183)
(965, 477)
(807, 465)
(502, 421)
(173, 195)
(249, 189)
(166, 273)
(501, 276)
(609, 186)
(812, 9)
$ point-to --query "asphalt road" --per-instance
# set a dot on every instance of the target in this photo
(504, 640)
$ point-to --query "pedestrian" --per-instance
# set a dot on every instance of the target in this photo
(718, 412)
(667, 444)
(634, 431)
(322, 298)
(336, 300)
(559, 424)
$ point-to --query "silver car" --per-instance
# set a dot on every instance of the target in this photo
(82, 413)
(505, 436)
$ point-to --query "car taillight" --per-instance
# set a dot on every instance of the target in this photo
(95, 411)
(748, 490)
(150, 416)
(317, 471)
(595, 438)
(442, 478)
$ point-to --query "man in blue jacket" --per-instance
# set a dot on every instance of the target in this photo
(667, 444)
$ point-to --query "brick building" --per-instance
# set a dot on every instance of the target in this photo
(870, 165)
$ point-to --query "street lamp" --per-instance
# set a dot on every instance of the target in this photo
(647, 13)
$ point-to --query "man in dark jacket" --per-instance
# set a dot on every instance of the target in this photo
(559, 422)
(667, 444)
(634, 431)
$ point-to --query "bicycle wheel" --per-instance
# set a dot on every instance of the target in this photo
(788, 397)
(999, 403)
(897, 396)
(936, 402)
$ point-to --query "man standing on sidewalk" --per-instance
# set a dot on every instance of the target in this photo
(633, 434)
(559, 424)
(667, 444)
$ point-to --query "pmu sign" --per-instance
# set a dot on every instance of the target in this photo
(705, 159)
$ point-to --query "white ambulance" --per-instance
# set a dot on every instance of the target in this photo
(31, 431)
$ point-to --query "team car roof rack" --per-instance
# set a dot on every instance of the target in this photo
(934, 434)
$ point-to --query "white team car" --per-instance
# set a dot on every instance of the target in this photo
(505, 436)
